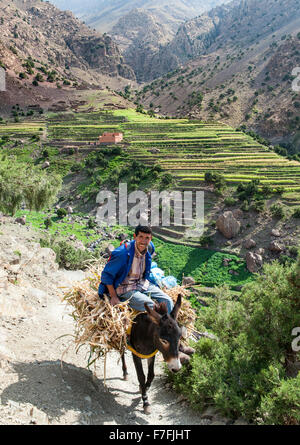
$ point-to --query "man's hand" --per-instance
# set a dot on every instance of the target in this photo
(114, 300)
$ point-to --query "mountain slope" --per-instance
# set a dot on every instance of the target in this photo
(59, 49)
(240, 74)
(104, 14)
(140, 28)
(231, 26)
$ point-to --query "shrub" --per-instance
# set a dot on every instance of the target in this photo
(216, 179)
(91, 223)
(206, 241)
(48, 222)
(282, 405)
(293, 250)
(68, 256)
(229, 201)
(37, 189)
(245, 206)
(77, 167)
(266, 190)
(277, 210)
(296, 213)
(166, 180)
(61, 213)
(286, 260)
(258, 206)
(247, 372)
(248, 190)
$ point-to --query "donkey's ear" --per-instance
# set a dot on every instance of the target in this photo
(176, 308)
(153, 315)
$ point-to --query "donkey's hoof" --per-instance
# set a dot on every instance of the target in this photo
(125, 377)
(147, 409)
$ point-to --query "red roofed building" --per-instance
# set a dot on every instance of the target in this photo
(111, 138)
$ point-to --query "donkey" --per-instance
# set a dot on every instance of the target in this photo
(154, 330)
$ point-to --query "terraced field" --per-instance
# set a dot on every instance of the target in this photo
(24, 129)
(186, 149)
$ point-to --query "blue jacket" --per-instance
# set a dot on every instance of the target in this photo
(119, 264)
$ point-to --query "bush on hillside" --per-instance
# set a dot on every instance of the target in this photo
(250, 371)
(68, 256)
(277, 210)
(247, 191)
(296, 213)
(216, 179)
(229, 201)
(26, 184)
(61, 213)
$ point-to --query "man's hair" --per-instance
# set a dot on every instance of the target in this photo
(144, 229)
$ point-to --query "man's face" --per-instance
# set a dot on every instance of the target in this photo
(142, 240)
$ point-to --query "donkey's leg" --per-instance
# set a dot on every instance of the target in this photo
(150, 376)
(124, 367)
(141, 377)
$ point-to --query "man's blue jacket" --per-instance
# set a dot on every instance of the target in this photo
(119, 264)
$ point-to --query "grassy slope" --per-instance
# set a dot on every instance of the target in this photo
(204, 265)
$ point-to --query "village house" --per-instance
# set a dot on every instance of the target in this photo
(111, 138)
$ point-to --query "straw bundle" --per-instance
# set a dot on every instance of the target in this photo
(186, 315)
(98, 323)
(104, 326)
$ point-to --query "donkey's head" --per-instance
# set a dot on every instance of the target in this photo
(167, 333)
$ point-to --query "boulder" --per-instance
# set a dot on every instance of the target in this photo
(249, 243)
(276, 233)
(69, 209)
(274, 246)
(46, 164)
(254, 262)
(188, 281)
(228, 225)
(21, 220)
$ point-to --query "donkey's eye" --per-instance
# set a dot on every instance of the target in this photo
(164, 342)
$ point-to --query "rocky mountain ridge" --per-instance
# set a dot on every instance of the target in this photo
(238, 24)
(243, 74)
(104, 14)
(60, 44)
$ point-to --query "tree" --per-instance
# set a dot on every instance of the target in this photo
(20, 183)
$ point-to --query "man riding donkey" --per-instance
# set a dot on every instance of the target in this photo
(125, 276)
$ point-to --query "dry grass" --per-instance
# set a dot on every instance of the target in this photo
(103, 326)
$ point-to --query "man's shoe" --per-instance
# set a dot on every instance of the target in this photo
(186, 349)
(184, 358)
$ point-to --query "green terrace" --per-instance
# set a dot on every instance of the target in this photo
(206, 266)
(185, 148)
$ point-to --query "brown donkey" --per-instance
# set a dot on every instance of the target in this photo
(155, 330)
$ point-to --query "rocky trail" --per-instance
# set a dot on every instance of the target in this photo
(42, 379)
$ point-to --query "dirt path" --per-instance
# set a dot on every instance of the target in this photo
(35, 387)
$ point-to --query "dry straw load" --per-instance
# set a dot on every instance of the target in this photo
(103, 326)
